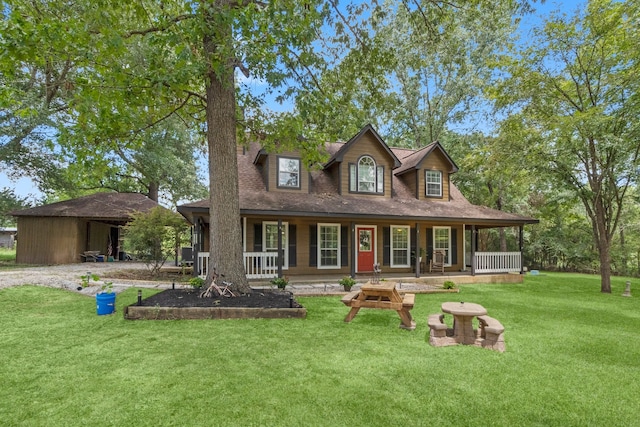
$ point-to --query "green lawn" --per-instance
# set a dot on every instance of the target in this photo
(7, 256)
(572, 359)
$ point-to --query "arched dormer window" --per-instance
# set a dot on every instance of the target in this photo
(365, 176)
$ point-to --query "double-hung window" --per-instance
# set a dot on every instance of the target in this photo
(400, 244)
(328, 245)
(288, 172)
(270, 240)
(365, 176)
(433, 181)
(442, 241)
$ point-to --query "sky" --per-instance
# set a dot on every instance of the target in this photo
(24, 187)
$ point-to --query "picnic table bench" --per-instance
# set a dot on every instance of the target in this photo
(383, 296)
(489, 334)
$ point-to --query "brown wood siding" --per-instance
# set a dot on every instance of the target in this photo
(303, 239)
(48, 240)
(436, 161)
(99, 237)
(367, 146)
(271, 166)
(302, 244)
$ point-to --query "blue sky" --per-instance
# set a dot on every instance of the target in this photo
(24, 187)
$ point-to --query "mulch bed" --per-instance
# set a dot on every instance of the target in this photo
(190, 298)
(141, 274)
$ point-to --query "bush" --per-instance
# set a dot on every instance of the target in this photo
(449, 285)
(347, 282)
(196, 282)
(154, 235)
(280, 282)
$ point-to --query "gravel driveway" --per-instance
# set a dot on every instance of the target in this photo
(67, 276)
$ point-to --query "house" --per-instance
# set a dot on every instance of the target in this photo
(7, 237)
(368, 204)
(58, 233)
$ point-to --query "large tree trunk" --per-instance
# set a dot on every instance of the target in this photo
(153, 191)
(224, 206)
(605, 268)
(603, 243)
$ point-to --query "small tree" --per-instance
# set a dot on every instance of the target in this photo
(9, 201)
(153, 235)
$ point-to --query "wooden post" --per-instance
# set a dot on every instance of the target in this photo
(474, 242)
(280, 250)
(417, 246)
(521, 244)
(195, 240)
(353, 250)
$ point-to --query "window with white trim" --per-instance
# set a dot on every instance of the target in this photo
(442, 241)
(270, 240)
(288, 172)
(365, 176)
(328, 245)
(400, 245)
(433, 181)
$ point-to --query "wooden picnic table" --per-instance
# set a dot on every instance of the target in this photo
(381, 296)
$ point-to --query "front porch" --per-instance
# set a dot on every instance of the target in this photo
(486, 267)
(422, 284)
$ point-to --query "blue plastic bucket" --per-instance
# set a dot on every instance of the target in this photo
(106, 303)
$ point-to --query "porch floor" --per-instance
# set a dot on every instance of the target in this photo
(427, 283)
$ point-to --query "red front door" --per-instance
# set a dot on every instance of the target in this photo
(366, 248)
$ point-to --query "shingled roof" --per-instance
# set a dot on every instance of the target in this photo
(105, 206)
(323, 199)
(415, 157)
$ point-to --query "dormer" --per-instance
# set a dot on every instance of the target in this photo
(283, 171)
(363, 165)
(427, 172)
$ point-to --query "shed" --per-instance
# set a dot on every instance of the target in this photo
(7, 237)
(58, 233)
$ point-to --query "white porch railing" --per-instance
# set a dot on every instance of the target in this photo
(257, 265)
(498, 262)
(261, 265)
(203, 263)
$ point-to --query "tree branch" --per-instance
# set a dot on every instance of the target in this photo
(157, 29)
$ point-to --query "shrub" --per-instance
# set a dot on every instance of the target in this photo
(154, 235)
(280, 282)
(347, 282)
(449, 285)
(196, 282)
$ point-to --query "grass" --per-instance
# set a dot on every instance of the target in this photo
(571, 360)
(7, 256)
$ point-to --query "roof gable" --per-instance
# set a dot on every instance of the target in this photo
(338, 156)
(415, 159)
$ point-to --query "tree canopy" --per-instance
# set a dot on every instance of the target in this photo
(128, 95)
(576, 96)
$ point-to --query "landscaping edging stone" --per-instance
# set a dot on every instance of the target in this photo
(134, 312)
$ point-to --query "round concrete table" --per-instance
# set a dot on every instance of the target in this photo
(463, 314)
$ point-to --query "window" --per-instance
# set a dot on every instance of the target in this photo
(270, 239)
(366, 177)
(442, 241)
(329, 245)
(288, 172)
(433, 183)
(400, 243)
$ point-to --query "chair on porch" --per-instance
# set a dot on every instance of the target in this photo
(437, 261)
